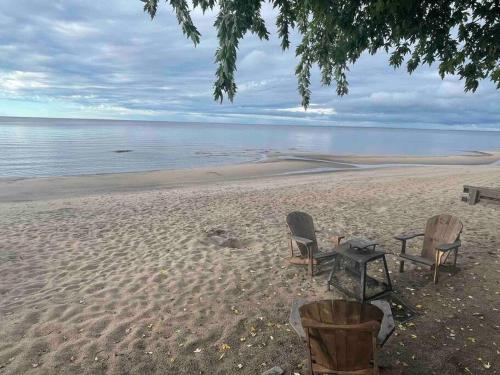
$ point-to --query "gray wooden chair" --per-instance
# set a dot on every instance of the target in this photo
(302, 235)
(441, 237)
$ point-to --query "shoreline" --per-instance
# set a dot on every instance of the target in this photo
(472, 157)
(277, 165)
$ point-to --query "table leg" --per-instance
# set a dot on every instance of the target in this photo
(330, 276)
(387, 273)
(363, 282)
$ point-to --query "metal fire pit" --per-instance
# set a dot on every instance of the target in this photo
(360, 271)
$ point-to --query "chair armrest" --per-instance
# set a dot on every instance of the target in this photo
(302, 240)
(449, 246)
(408, 236)
(336, 239)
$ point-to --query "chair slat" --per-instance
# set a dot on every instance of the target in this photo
(341, 335)
(440, 229)
(301, 224)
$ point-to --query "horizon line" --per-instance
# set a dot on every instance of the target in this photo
(398, 127)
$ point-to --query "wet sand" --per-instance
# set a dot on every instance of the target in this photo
(277, 165)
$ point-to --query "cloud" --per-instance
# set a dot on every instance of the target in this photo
(108, 59)
(451, 89)
(313, 109)
(74, 29)
(18, 80)
(111, 110)
(254, 85)
(254, 60)
(384, 97)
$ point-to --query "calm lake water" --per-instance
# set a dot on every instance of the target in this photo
(48, 147)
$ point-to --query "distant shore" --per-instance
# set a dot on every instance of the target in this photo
(277, 165)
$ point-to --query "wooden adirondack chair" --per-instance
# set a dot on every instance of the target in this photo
(441, 237)
(341, 336)
(301, 233)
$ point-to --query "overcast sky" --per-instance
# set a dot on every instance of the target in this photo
(107, 59)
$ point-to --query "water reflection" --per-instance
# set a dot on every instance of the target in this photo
(42, 147)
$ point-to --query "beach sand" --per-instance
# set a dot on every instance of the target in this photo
(94, 279)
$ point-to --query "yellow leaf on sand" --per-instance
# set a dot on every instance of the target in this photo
(253, 331)
(224, 347)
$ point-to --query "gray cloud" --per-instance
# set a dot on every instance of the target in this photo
(109, 60)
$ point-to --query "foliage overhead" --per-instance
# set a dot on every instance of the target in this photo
(461, 36)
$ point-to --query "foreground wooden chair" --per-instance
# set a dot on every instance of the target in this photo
(441, 237)
(341, 336)
(301, 233)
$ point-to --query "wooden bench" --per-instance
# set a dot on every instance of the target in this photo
(473, 194)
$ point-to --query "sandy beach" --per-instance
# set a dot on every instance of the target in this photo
(185, 272)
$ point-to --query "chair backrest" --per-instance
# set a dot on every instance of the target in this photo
(341, 335)
(302, 225)
(440, 229)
